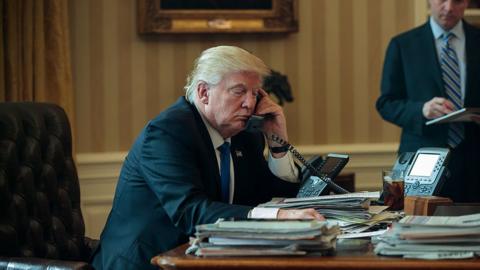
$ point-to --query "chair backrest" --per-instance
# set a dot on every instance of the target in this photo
(40, 212)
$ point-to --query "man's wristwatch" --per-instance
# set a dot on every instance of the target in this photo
(280, 149)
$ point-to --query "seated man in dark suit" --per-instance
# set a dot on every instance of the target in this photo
(175, 176)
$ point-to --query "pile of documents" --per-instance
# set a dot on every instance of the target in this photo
(353, 205)
(254, 237)
(436, 237)
(357, 228)
(352, 211)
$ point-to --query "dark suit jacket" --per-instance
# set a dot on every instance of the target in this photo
(412, 76)
(170, 182)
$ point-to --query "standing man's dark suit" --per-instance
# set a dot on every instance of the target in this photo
(411, 77)
(170, 182)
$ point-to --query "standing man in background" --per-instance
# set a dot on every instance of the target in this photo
(428, 72)
(194, 163)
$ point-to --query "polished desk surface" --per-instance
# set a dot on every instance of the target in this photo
(350, 254)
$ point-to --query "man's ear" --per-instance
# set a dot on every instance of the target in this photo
(203, 92)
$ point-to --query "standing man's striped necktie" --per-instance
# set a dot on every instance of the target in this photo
(452, 83)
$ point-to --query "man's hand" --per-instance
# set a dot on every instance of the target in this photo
(276, 124)
(308, 213)
(437, 107)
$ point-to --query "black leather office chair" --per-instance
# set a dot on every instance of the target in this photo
(41, 223)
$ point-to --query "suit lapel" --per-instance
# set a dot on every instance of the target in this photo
(428, 49)
(210, 156)
(472, 41)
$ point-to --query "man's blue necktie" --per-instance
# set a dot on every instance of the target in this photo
(452, 84)
(225, 170)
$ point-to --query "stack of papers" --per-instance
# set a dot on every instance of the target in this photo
(351, 211)
(353, 205)
(357, 228)
(263, 238)
(434, 237)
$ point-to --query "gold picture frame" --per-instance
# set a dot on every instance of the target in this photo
(239, 16)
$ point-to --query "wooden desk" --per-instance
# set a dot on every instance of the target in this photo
(359, 256)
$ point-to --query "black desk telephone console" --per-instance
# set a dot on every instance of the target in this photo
(424, 171)
(330, 167)
(317, 174)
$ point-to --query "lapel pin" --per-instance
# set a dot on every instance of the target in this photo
(238, 153)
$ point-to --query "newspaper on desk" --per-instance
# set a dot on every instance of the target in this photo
(353, 212)
(343, 205)
(263, 238)
(436, 237)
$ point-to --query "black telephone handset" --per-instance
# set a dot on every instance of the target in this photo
(255, 123)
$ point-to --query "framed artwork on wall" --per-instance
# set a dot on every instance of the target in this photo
(216, 16)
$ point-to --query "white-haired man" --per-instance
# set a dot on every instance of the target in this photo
(176, 175)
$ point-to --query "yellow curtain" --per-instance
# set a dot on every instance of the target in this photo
(35, 53)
